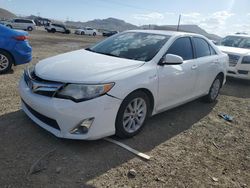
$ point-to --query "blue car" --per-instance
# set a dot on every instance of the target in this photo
(14, 48)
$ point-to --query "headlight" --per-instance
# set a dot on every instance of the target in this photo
(80, 92)
(246, 60)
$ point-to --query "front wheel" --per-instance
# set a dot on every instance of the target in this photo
(94, 34)
(6, 62)
(214, 90)
(132, 115)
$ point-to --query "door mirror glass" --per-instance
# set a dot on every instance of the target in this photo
(171, 59)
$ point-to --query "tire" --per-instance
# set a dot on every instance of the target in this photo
(67, 31)
(53, 30)
(30, 29)
(214, 90)
(131, 118)
(9, 26)
(82, 33)
(6, 62)
(94, 34)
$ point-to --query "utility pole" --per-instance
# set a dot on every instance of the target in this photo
(179, 22)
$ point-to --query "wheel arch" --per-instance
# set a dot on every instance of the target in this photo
(150, 97)
(6, 51)
(221, 75)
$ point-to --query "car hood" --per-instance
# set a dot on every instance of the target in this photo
(233, 50)
(83, 66)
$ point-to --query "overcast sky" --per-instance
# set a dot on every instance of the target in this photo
(215, 16)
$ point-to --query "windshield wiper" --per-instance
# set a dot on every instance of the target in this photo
(109, 54)
(88, 49)
(104, 53)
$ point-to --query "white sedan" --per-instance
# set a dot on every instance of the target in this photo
(114, 86)
(86, 31)
(238, 49)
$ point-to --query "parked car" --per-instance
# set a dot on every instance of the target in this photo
(86, 31)
(24, 24)
(109, 33)
(14, 48)
(114, 86)
(238, 49)
(53, 27)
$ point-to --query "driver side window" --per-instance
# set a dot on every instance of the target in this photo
(182, 47)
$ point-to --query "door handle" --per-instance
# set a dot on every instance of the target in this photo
(194, 67)
(215, 61)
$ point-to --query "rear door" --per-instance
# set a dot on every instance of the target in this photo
(207, 62)
(177, 82)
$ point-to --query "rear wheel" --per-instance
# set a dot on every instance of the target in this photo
(6, 62)
(214, 90)
(30, 29)
(132, 114)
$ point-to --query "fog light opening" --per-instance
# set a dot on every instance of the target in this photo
(83, 127)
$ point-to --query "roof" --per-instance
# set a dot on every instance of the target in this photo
(164, 32)
(240, 35)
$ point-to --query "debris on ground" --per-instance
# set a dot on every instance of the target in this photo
(41, 164)
(132, 173)
(226, 117)
(215, 179)
(140, 154)
(58, 170)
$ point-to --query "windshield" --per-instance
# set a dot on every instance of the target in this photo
(132, 45)
(236, 41)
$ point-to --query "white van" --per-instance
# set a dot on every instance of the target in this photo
(23, 24)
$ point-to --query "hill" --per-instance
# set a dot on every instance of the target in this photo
(5, 14)
(120, 25)
(184, 28)
(107, 24)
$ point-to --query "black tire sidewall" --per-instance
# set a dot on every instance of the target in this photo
(11, 61)
(120, 131)
(209, 98)
(82, 33)
(30, 29)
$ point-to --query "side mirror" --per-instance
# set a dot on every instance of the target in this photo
(170, 59)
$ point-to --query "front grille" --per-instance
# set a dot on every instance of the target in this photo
(233, 60)
(48, 121)
(41, 86)
(242, 72)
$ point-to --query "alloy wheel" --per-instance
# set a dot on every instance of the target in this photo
(134, 115)
(4, 62)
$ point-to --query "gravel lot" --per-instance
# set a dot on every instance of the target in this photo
(190, 145)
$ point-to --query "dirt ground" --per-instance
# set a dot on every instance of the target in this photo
(190, 145)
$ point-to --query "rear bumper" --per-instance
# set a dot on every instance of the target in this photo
(60, 116)
(22, 53)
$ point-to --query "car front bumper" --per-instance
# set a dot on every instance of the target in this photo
(240, 71)
(48, 111)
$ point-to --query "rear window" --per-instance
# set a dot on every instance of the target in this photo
(202, 47)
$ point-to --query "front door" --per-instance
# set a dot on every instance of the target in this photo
(177, 82)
